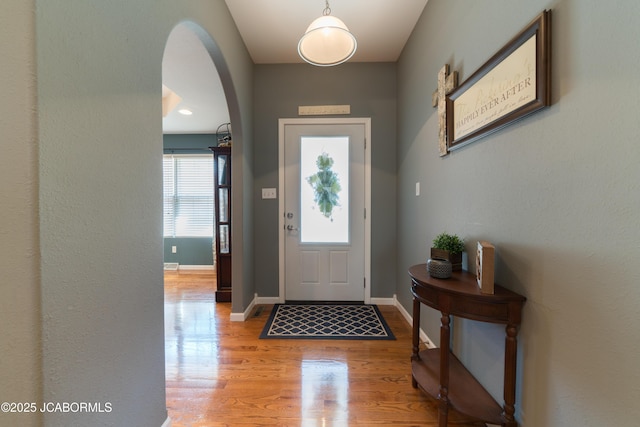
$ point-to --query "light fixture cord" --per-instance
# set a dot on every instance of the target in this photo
(327, 9)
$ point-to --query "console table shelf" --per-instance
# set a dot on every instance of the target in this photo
(437, 371)
(466, 394)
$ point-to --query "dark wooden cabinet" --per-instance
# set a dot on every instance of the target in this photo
(437, 371)
(222, 226)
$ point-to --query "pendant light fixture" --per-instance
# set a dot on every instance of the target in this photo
(327, 41)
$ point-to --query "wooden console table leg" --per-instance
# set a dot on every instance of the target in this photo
(416, 330)
(510, 357)
(415, 352)
(443, 396)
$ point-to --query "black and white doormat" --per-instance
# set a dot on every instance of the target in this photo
(327, 321)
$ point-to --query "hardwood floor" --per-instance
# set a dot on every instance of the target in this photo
(218, 373)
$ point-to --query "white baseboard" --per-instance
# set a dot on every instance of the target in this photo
(241, 317)
(195, 267)
(423, 336)
(384, 301)
(278, 300)
(238, 317)
(268, 300)
(166, 423)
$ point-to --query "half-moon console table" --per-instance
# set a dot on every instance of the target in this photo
(437, 371)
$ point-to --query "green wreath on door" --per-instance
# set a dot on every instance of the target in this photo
(326, 186)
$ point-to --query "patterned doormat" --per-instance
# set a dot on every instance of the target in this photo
(327, 321)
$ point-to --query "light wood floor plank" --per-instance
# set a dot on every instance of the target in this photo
(219, 373)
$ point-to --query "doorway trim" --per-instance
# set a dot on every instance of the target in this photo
(366, 122)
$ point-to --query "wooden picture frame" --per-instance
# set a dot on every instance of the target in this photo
(514, 83)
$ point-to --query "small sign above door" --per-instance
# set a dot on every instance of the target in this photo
(323, 110)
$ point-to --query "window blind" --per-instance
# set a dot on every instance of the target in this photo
(188, 195)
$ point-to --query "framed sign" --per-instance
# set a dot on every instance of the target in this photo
(514, 83)
(485, 259)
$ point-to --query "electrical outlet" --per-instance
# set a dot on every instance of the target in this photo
(174, 249)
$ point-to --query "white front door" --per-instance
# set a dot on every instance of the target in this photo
(323, 207)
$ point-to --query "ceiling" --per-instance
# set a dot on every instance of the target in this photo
(270, 30)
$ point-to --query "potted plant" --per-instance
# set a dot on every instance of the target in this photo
(448, 247)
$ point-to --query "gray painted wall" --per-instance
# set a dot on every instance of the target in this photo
(189, 250)
(179, 143)
(558, 193)
(370, 89)
(20, 308)
(82, 287)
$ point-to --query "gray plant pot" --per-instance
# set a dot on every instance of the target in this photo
(439, 268)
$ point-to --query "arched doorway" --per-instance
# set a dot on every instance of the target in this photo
(195, 78)
(194, 110)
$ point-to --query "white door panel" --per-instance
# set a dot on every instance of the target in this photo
(324, 224)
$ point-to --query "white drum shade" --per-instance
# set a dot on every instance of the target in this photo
(327, 42)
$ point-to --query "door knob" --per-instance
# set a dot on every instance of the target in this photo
(292, 228)
(289, 215)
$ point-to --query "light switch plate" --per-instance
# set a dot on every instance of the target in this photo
(269, 193)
